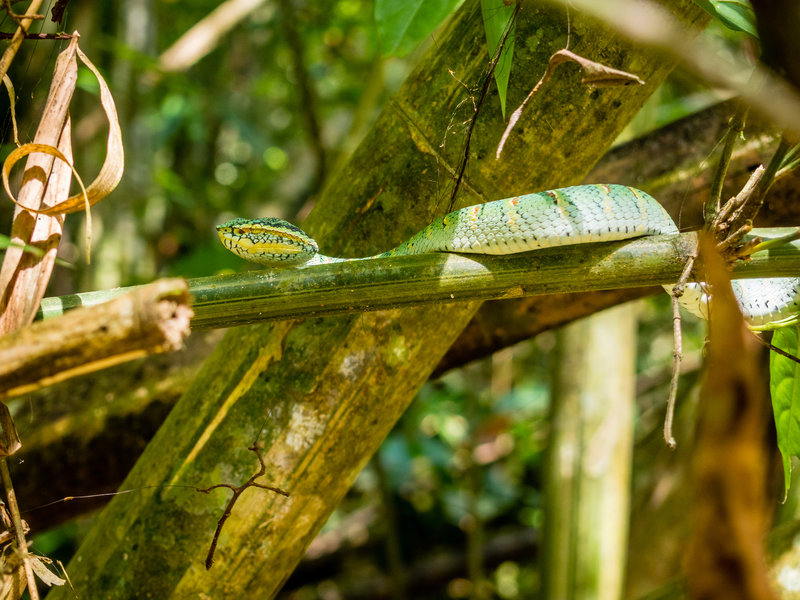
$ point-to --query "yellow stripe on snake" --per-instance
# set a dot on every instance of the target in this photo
(573, 215)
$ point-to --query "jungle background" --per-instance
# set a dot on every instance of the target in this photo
(260, 123)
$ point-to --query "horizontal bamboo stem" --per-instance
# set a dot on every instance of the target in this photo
(266, 295)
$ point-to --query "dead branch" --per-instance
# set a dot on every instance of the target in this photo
(150, 319)
(237, 491)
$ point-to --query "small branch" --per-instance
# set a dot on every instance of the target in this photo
(487, 80)
(677, 350)
(19, 35)
(38, 36)
(19, 530)
(651, 25)
(237, 491)
(152, 318)
(17, 18)
(735, 219)
(594, 74)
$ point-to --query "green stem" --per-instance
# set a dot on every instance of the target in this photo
(358, 286)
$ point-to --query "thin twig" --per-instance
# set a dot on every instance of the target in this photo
(775, 349)
(17, 18)
(481, 97)
(722, 221)
(19, 35)
(19, 531)
(749, 201)
(37, 36)
(677, 350)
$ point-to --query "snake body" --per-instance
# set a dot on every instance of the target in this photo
(573, 215)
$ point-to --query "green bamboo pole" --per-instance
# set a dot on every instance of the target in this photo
(587, 486)
(321, 290)
(321, 395)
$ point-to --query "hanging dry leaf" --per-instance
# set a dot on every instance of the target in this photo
(105, 182)
(23, 277)
(45, 192)
(594, 74)
(39, 565)
(58, 209)
(110, 173)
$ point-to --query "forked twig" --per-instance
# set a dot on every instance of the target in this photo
(237, 491)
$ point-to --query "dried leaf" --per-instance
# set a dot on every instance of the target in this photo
(62, 207)
(110, 173)
(107, 179)
(594, 73)
(23, 278)
(42, 572)
(729, 462)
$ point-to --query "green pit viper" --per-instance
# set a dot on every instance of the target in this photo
(573, 215)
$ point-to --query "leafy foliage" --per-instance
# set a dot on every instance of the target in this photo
(496, 17)
(405, 23)
(737, 15)
(785, 390)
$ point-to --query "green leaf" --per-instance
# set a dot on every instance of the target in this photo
(7, 242)
(496, 17)
(734, 14)
(785, 390)
(402, 24)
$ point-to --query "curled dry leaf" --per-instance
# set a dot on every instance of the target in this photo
(594, 73)
(106, 180)
(58, 209)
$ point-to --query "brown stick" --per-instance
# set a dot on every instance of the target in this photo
(150, 319)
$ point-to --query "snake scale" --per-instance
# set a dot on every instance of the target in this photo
(573, 215)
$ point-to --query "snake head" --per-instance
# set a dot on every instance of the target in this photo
(267, 241)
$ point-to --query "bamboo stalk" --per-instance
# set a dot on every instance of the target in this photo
(333, 289)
